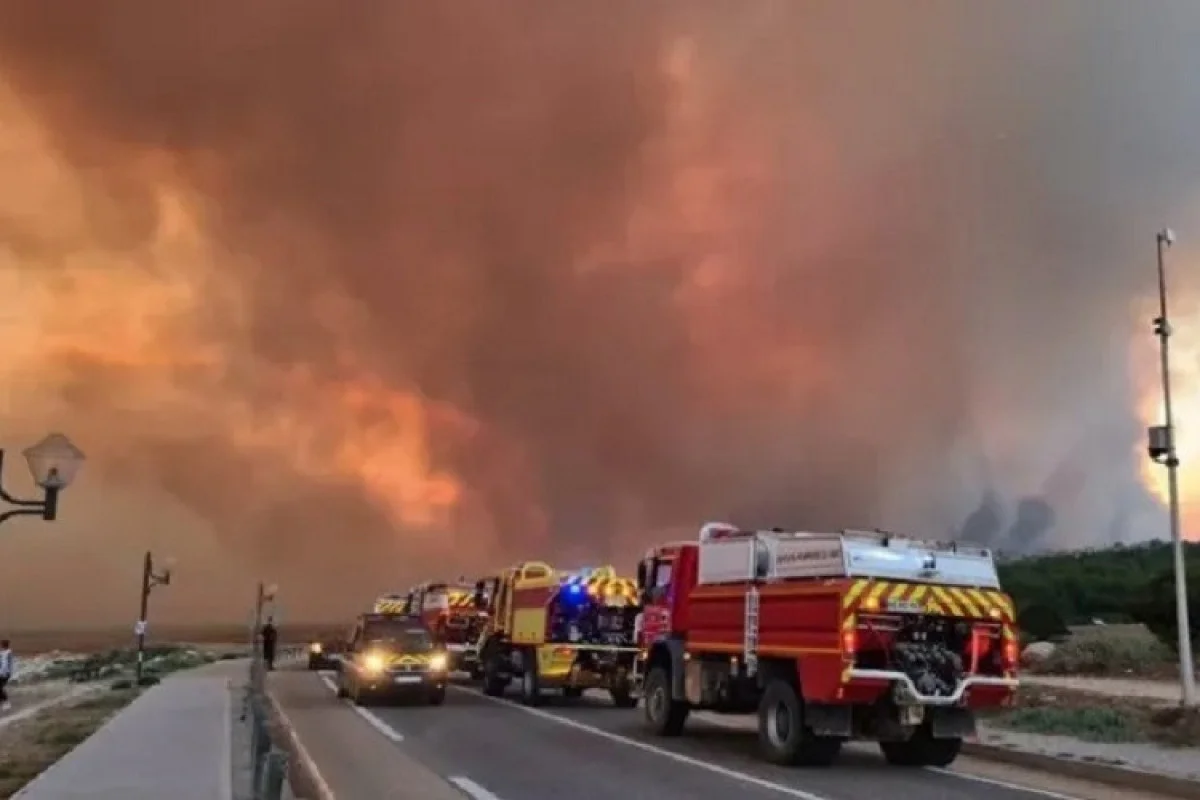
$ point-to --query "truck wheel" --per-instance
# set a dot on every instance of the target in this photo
(494, 681)
(622, 697)
(664, 715)
(922, 750)
(782, 735)
(476, 672)
(341, 688)
(531, 687)
(572, 692)
(437, 696)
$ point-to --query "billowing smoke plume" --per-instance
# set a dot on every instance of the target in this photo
(359, 294)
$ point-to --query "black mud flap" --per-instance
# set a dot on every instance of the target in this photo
(951, 722)
(827, 720)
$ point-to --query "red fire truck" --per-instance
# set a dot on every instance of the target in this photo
(449, 610)
(828, 637)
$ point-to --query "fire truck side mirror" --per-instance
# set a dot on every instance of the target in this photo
(480, 598)
(642, 577)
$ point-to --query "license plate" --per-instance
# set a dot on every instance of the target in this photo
(407, 679)
(905, 607)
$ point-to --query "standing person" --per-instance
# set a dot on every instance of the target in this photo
(7, 665)
(269, 635)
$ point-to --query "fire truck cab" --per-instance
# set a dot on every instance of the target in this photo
(827, 637)
(449, 610)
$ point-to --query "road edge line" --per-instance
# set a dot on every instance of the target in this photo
(1121, 777)
(307, 764)
(386, 731)
(680, 758)
(472, 789)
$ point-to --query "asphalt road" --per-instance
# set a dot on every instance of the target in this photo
(587, 750)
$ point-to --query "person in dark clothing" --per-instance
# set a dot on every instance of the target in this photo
(269, 635)
(6, 673)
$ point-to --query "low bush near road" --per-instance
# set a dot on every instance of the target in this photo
(1097, 718)
(1121, 652)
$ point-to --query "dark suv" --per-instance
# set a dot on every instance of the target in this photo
(390, 656)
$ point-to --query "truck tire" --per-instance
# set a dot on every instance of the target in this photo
(782, 735)
(341, 689)
(436, 696)
(494, 680)
(622, 697)
(572, 692)
(531, 685)
(664, 715)
(922, 750)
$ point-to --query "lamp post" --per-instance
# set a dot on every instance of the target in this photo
(53, 463)
(1162, 451)
(150, 579)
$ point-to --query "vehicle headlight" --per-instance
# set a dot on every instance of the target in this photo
(315, 647)
(438, 662)
(373, 662)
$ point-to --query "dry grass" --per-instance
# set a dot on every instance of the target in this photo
(30, 746)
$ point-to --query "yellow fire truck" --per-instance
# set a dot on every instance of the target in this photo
(571, 630)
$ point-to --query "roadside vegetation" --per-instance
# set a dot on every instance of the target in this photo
(1121, 584)
(1101, 613)
(30, 746)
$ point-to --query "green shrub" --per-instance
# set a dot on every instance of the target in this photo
(1101, 652)
(1094, 724)
(1041, 622)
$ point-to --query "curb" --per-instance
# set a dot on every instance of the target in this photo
(1123, 777)
(307, 777)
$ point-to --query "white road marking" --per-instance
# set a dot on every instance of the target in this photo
(310, 766)
(747, 723)
(375, 722)
(649, 748)
(472, 789)
(1004, 784)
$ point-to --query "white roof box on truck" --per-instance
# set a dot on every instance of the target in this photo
(728, 555)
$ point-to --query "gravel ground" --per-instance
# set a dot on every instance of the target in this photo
(1173, 761)
(1167, 691)
(1181, 762)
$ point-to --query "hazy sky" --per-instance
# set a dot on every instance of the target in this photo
(351, 295)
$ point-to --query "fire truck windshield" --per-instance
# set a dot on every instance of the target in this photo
(660, 580)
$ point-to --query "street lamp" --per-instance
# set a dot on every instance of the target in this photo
(1161, 445)
(53, 463)
(150, 579)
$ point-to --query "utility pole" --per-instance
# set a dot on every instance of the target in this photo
(150, 579)
(1162, 450)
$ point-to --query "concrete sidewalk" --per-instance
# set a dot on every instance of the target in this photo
(174, 741)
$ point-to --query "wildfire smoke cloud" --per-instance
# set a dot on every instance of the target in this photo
(360, 294)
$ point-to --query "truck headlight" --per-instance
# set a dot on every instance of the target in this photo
(373, 662)
(438, 662)
(315, 648)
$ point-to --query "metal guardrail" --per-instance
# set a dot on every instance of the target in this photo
(269, 760)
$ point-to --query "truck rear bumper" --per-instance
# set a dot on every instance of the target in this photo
(908, 693)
